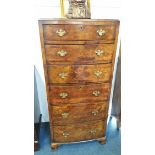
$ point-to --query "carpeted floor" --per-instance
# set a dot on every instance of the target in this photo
(112, 147)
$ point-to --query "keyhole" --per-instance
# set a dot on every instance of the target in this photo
(82, 28)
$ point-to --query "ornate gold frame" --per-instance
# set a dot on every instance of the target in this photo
(62, 7)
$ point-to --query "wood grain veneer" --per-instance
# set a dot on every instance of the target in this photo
(78, 60)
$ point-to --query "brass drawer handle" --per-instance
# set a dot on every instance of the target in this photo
(101, 32)
(93, 131)
(62, 53)
(98, 73)
(94, 113)
(63, 75)
(61, 32)
(99, 52)
(96, 93)
(65, 134)
(65, 115)
(63, 95)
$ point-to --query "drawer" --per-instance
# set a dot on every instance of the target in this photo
(92, 53)
(78, 93)
(77, 32)
(80, 112)
(79, 132)
(79, 73)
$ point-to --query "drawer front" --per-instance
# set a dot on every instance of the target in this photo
(74, 32)
(79, 73)
(78, 93)
(79, 132)
(80, 112)
(102, 53)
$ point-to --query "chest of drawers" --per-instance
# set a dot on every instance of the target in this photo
(78, 58)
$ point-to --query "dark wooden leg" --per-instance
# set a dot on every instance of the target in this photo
(54, 146)
(102, 140)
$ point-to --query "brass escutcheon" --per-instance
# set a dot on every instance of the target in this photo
(96, 93)
(99, 52)
(65, 115)
(61, 32)
(65, 134)
(98, 73)
(63, 95)
(93, 131)
(63, 75)
(101, 32)
(62, 53)
(94, 112)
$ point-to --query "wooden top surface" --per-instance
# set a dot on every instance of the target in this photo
(76, 21)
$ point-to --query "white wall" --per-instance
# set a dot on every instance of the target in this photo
(100, 9)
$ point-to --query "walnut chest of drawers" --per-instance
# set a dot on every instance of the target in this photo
(78, 58)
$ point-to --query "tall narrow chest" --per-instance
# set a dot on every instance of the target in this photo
(78, 58)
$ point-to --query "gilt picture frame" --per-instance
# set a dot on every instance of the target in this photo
(75, 9)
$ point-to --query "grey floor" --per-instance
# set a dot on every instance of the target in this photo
(112, 147)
